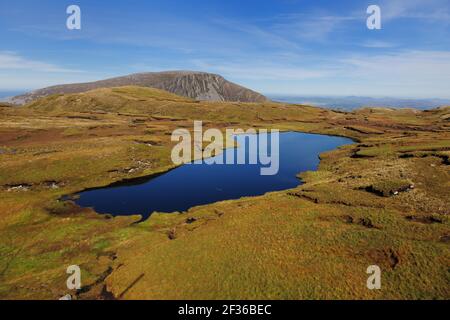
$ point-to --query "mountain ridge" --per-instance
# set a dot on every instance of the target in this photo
(191, 84)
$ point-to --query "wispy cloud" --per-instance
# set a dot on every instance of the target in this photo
(21, 73)
(12, 61)
(427, 67)
(405, 73)
(307, 46)
(263, 70)
(379, 44)
(315, 26)
(258, 34)
(431, 10)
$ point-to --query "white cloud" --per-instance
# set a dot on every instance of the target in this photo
(22, 80)
(404, 73)
(316, 26)
(258, 34)
(378, 44)
(400, 74)
(19, 73)
(12, 61)
(427, 67)
(432, 10)
(263, 71)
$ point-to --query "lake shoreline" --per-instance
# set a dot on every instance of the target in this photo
(276, 184)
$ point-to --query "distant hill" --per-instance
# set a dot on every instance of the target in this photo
(6, 95)
(126, 99)
(190, 84)
(353, 102)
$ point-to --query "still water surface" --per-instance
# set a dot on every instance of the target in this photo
(197, 184)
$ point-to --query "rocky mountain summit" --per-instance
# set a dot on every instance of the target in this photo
(196, 85)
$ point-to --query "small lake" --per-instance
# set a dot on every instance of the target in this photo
(191, 185)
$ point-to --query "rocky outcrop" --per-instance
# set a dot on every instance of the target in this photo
(191, 84)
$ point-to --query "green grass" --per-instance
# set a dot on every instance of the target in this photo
(314, 241)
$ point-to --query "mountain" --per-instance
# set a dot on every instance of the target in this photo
(127, 100)
(6, 95)
(350, 103)
(191, 84)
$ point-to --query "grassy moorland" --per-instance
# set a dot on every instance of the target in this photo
(383, 200)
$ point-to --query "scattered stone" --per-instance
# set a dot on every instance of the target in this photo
(172, 234)
(218, 213)
(69, 197)
(348, 219)
(51, 184)
(384, 257)
(424, 219)
(18, 187)
(66, 297)
(394, 259)
(389, 188)
(366, 222)
(190, 220)
(148, 143)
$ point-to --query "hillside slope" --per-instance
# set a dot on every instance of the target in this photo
(383, 200)
(191, 84)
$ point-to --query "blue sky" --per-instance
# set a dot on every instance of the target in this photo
(298, 47)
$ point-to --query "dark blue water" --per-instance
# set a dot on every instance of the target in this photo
(196, 184)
